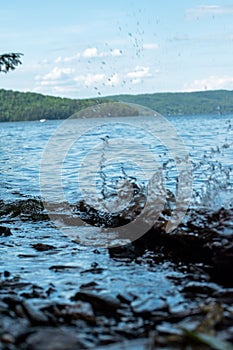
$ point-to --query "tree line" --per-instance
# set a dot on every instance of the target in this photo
(184, 103)
(23, 106)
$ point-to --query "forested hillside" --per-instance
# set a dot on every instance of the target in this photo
(15, 106)
(203, 102)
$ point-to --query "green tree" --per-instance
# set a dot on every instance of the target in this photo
(9, 61)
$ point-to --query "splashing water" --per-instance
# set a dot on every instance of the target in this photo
(216, 175)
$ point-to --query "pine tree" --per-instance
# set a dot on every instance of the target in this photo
(9, 61)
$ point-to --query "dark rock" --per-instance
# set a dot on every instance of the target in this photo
(25, 209)
(223, 264)
(6, 274)
(26, 256)
(126, 298)
(146, 306)
(224, 295)
(5, 231)
(138, 344)
(7, 338)
(12, 301)
(90, 285)
(67, 313)
(95, 271)
(35, 316)
(59, 268)
(41, 247)
(54, 339)
(200, 288)
(202, 239)
(34, 291)
(105, 304)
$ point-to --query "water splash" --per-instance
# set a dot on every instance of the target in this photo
(215, 176)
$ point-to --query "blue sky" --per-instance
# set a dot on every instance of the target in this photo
(92, 48)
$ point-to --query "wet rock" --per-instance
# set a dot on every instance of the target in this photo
(13, 327)
(61, 268)
(138, 344)
(127, 251)
(67, 313)
(3, 308)
(224, 295)
(90, 285)
(29, 209)
(54, 339)
(26, 256)
(7, 338)
(202, 239)
(6, 274)
(105, 304)
(35, 316)
(223, 263)
(5, 231)
(203, 288)
(12, 301)
(95, 270)
(41, 247)
(34, 291)
(126, 298)
(146, 306)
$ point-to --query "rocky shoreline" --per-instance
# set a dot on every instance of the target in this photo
(197, 313)
(31, 319)
(208, 242)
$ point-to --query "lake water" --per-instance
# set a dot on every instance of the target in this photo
(208, 141)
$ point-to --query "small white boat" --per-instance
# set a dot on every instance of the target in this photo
(42, 120)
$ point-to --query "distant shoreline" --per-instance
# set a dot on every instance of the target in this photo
(25, 106)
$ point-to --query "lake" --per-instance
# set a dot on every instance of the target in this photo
(90, 165)
(208, 140)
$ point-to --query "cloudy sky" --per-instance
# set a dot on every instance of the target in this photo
(77, 48)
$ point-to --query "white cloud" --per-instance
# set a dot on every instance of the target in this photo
(203, 10)
(58, 80)
(211, 83)
(94, 52)
(56, 73)
(90, 52)
(150, 46)
(135, 81)
(90, 79)
(95, 79)
(115, 52)
(139, 72)
(64, 81)
(68, 58)
(58, 59)
(113, 80)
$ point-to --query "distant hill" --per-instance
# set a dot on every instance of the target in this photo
(184, 103)
(16, 106)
